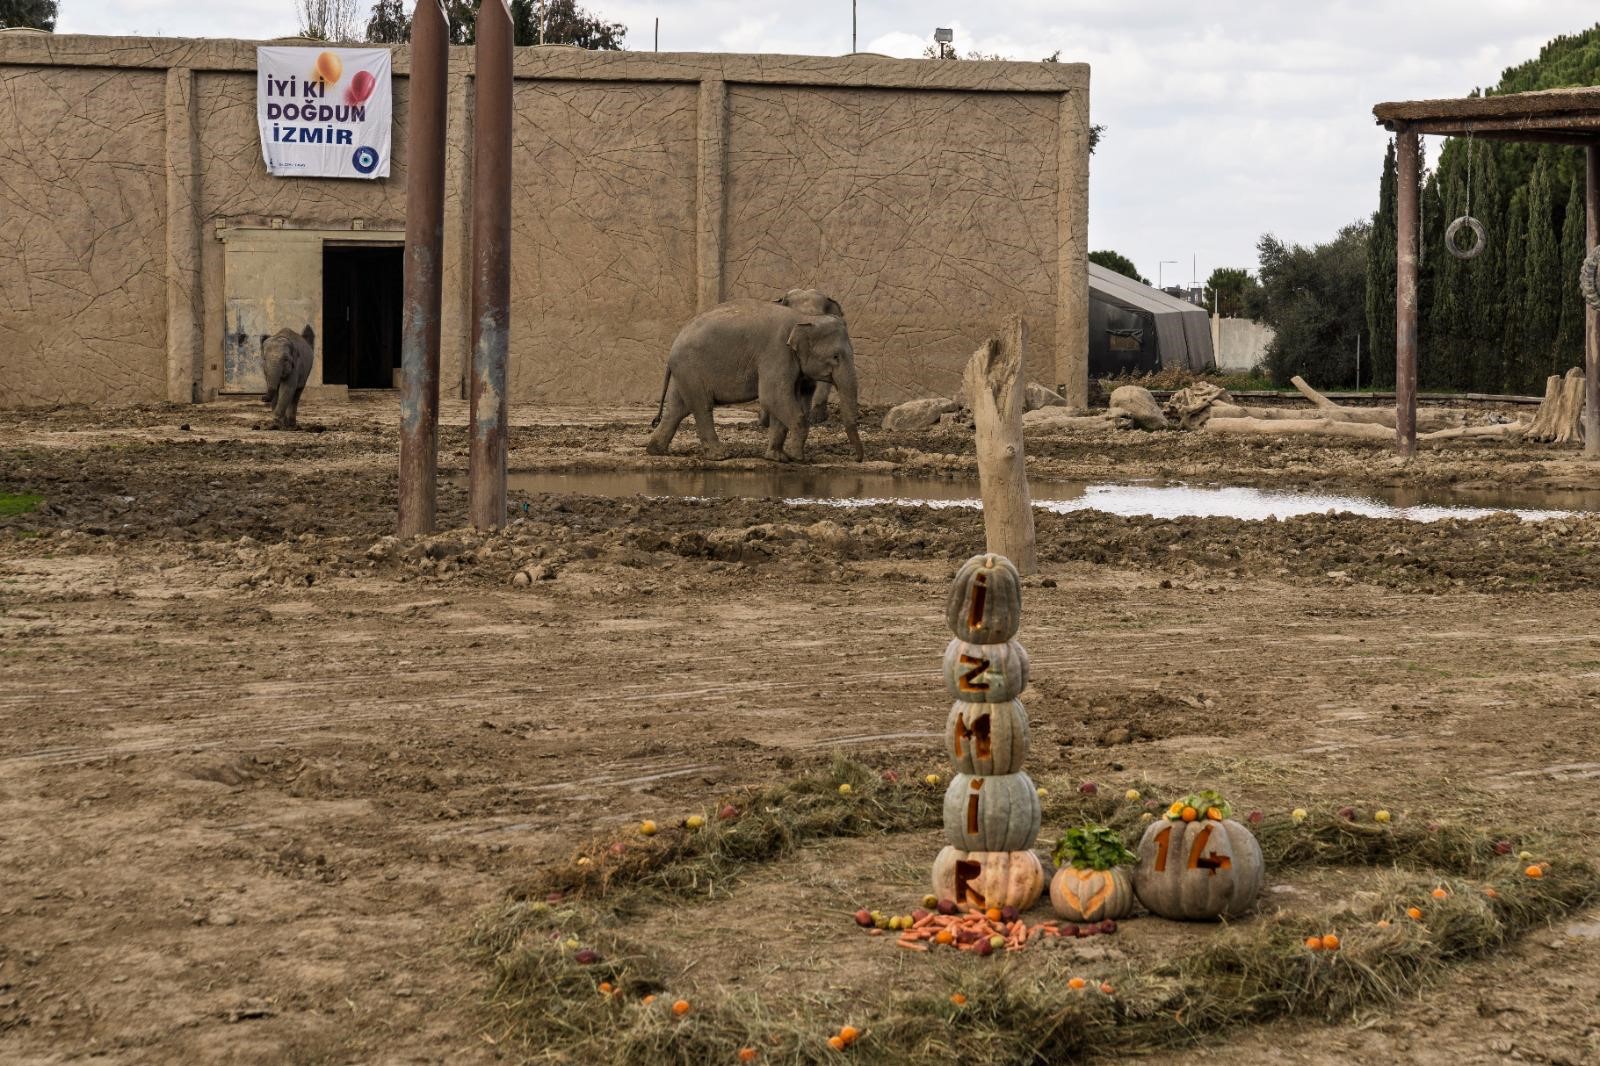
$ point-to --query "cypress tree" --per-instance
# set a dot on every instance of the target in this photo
(1443, 328)
(1485, 318)
(1511, 377)
(1569, 335)
(1542, 290)
(1381, 278)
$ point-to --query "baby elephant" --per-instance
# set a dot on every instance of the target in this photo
(747, 350)
(286, 356)
(814, 394)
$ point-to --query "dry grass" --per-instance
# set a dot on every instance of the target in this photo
(1017, 1010)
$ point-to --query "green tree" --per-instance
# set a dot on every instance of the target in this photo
(1542, 287)
(1512, 349)
(28, 14)
(1569, 333)
(389, 23)
(1118, 262)
(1231, 292)
(1381, 272)
(1315, 303)
(564, 23)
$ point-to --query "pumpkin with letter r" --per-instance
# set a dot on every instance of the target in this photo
(1092, 883)
(985, 603)
(1196, 863)
(988, 878)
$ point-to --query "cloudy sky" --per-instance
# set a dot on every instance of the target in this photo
(1224, 119)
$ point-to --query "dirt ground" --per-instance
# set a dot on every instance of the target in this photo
(262, 765)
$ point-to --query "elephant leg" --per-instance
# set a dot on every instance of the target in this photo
(294, 407)
(763, 420)
(282, 418)
(710, 446)
(672, 415)
(819, 405)
(776, 434)
(786, 440)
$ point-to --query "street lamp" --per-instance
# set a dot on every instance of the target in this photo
(1159, 268)
(943, 37)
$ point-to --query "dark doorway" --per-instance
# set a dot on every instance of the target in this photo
(362, 289)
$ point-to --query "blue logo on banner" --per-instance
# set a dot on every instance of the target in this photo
(365, 160)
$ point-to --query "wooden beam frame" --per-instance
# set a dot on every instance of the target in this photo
(1591, 317)
(1408, 152)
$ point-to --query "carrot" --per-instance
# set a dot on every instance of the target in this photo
(912, 945)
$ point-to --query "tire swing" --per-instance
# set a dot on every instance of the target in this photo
(1452, 235)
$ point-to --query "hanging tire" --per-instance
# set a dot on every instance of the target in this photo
(1589, 279)
(1480, 238)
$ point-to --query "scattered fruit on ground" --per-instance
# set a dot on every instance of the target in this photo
(1132, 795)
(844, 789)
(932, 779)
(1043, 792)
(930, 901)
(1255, 818)
(958, 999)
(993, 914)
(681, 1007)
(571, 944)
(748, 1054)
(944, 936)
(587, 957)
(1534, 871)
(891, 777)
(1414, 913)
(1490, 892)
(1314, 943)
(619, 848)
(864, 918)
(1076, 982)
(1147, 817)
(1088, 788)
(1105, 988)
(836, 1042)
(727, 812)
(1441, 893)
(997, 942)
(648, 828)
(1299, 815)
(1383, 923)
(648, 1000)
(1381, 817)
(694, 821)
(1502, 847)
(1347, 813)
(1525, 856)
(606, 988)
(1330, 942)
(849, 1034)
(946, 906)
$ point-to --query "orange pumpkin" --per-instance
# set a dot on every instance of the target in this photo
(1091, 895)
(989, 878)
(985, 603)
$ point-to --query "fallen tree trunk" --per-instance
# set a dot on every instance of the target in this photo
(1427, 420)
(1315, 426)
(1560, 417)
(1506, 429)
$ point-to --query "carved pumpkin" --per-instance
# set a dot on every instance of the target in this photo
(989, 878)
(987, 738)
(985, 673)
(1091, 895)
(1202, 869)
(999, 813)
(985, 604)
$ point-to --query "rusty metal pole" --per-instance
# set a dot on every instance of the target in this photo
(1591, 317)
(1408, 151)
(491, 262)
(419, 331)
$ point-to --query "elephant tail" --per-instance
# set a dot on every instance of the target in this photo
(662, 404)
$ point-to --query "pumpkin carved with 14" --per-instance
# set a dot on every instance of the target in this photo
(1205, 869)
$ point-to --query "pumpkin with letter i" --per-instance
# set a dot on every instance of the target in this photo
(1092, 884)
(991, 813)
(988, 878)
(987, 738)
(985, 673)
(985, 604)
(1197, 863)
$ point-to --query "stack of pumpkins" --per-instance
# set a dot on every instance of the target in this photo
(991, 810)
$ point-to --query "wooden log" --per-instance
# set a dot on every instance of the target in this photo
(1314, 426)
(1430, 420)
(1506, 429)
(997, 386)
(1311, 394)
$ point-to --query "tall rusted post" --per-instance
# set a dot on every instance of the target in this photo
(1408, 152)
(491, 262)
(419, 331)
(1591, 317)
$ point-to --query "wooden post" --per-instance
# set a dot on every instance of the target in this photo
(1591, 317)
(997, 385)
(1408, 151)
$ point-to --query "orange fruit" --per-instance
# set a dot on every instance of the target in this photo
(836, 1042)
(1106, 988)
(1534, 871)
(993, 914)
(1214, 813)
(748, 1054)
(1076, 982)
(1314, 943)
(958, 999)
(1330, 942)
(1190, 814)
(1383, 923)
(606, 988)
(849, 1034)
(649, 1000)
(1491, 893)
(1440, 893)
(944, 936)
(681, 1007)
(1414, 913)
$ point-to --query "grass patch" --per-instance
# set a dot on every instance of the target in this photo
(15, 503)
(1017, 1009)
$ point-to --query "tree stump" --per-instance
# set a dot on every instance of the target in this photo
(1560, 417)
(997, 390)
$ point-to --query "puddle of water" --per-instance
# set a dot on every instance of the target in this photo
(843, 489)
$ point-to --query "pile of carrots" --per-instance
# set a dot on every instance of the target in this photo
(980, 931)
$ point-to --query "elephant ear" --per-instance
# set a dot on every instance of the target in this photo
(800, 340)
(835, 308)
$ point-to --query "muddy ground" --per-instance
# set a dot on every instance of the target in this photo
(261, 765)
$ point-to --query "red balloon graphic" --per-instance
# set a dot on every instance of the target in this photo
(361, 87)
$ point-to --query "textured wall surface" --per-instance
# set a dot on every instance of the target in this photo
(929, 215)
(932, 199)
(603, 236)
(83, 203)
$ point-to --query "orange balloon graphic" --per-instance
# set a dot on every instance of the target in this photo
(329, 68)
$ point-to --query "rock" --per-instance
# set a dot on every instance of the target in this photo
(544, 572)
(1038, 396)
(1061, 416)
(1134, 408)
(917, 414)
(521, 577)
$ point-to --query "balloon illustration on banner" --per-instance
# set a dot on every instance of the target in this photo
(324, 112)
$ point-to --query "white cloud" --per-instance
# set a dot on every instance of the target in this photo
(1223, 120)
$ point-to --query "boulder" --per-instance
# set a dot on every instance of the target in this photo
(917, 414)
(1134, 408)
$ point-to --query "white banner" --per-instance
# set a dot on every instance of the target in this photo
(324, 112)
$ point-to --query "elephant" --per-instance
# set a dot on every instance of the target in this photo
(286, 358)
(813, 393)
(746, 350)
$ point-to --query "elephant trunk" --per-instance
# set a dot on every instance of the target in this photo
(845, 381)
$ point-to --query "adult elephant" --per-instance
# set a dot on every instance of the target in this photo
(747, 350)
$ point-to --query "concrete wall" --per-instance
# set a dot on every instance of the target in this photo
(1239, 343)
(142, 229)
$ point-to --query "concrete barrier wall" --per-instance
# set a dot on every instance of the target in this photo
(1240, 344)
(932, 199)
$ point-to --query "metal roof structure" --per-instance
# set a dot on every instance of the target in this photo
(1183, 329)
(1549, 116)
